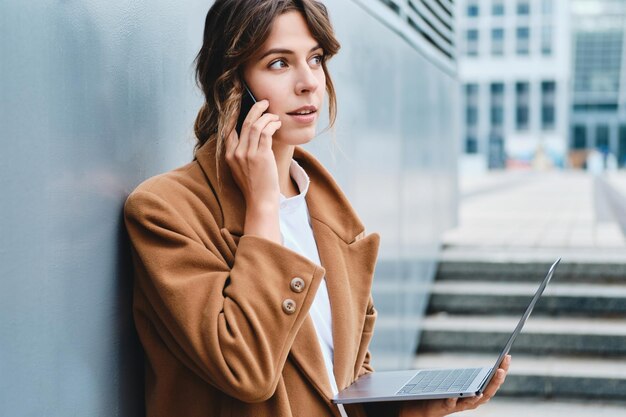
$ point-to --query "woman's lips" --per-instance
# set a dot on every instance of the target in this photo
(304, 118)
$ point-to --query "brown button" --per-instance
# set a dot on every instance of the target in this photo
(297, 285)
(289, 306)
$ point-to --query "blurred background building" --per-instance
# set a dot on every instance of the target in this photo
(514, 69)
(598, 116)
(542, 83)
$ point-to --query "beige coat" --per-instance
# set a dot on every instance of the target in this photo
(209, 305)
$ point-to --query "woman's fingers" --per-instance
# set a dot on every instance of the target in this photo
(506, 363)
(495, 383)
(259, 129)
(490, 391)
(256, 111)
(265, 141)
(450, 404)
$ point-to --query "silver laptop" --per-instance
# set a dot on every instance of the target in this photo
(433, 383)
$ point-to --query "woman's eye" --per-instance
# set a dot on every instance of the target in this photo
(278, 64)
(317, 59)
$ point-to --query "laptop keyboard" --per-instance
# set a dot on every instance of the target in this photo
(444, 380)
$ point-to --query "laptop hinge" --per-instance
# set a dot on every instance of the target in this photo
(481, 387)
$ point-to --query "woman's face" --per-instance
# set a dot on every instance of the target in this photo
(288, 72)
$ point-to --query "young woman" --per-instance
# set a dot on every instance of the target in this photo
(253, 273)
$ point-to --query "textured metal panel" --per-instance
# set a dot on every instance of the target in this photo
(430, 20)
(396, 160)
(97, 96)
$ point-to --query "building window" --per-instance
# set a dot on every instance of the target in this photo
(471, 117)
(471, 105)
(497, 41)
(597, 65)
(472, 42)
(546, 40)
(621, 150)
(602, 138)
(472, 9)
(580, 137)
(496, 157)
(471, 145)
(523, 40)
(497, 8)
(523, 8)
(548, 105)
(522, 100)
(497, 104)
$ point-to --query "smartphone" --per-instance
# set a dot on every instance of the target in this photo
(247, 101)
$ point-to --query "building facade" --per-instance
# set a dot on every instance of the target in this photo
(514, 73)
(598, 111)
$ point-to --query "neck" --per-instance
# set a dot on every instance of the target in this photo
(283, 155)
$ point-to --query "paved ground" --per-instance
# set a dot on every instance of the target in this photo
(536, 408)
(539, 216)
(522, 214)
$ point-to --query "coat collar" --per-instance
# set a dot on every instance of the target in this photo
(326, 203)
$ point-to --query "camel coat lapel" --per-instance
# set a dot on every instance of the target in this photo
(349, 259)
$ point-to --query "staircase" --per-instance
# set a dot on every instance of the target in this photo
(573, 346)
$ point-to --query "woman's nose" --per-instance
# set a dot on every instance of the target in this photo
(307, 82)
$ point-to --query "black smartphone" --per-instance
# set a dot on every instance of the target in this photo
(247, 101)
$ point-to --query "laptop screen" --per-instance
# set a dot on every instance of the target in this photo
(521, 323)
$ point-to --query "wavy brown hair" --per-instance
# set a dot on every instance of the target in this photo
(234, 32)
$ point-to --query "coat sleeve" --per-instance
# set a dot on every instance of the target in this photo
(229, 326)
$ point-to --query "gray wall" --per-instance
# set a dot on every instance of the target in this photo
(97, 96)
(395, 156)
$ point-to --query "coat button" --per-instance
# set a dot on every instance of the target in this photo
(297, 285)
(289, 306)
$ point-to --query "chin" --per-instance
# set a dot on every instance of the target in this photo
(298, 136)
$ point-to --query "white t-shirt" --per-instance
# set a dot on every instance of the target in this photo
(297, 234)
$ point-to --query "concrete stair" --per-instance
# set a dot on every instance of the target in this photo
(573, 346)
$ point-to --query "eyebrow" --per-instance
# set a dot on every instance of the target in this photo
(284, 51)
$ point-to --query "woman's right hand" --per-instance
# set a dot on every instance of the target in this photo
(253, 166)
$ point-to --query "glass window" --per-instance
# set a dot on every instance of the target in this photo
(523, 7)
(471, 90)
(548, 105)
(597, 64)
(497, 88)
(471, 115)
(621, 151)
(523, 40)
(580, 137)
(471, 104)
(602, 138)
(497, 41)
(497, 104)
(471, 145)
(472, 9)
(522, 111)
(472, 42)
(497, 8)
(546, 40)
(496, 156)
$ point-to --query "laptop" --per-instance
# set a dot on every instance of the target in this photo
(433, 383)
